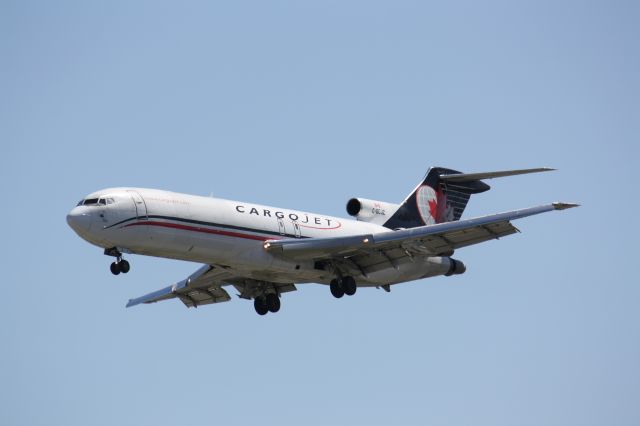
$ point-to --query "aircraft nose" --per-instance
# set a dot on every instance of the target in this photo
(79, 220)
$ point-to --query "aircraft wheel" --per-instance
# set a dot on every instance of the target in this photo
(115, 269)
(260, 304)
(349, 285)
(336, 289)
(124, 266)
(273, 302)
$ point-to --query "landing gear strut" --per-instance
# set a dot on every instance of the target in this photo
(120, 265)
(341, 286)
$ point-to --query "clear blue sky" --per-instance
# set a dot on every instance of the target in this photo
(305, 105)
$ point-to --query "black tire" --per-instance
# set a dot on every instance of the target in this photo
(124, 266)
(260, 305)
(273, 302)
(115, 269)
(349, 286)
(336, 289)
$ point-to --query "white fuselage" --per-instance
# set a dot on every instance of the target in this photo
(226, 233)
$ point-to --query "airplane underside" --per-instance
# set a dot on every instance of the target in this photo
(263, 278)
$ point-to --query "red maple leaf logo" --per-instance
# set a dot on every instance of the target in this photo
(433, 208)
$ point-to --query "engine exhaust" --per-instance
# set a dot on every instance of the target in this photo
(456, 268)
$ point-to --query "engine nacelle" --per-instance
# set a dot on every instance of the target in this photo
(456, 267)
(373, 211)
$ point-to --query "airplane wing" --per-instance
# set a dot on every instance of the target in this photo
(366, 250)
(203, 287)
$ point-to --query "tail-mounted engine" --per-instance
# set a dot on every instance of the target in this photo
(373, 211)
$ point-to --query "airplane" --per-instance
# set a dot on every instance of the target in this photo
(264, 252)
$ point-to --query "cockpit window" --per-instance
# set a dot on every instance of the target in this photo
(96, 202)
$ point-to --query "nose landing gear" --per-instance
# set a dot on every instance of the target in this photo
(120, 265)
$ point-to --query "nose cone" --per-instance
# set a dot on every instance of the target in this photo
(79, 220)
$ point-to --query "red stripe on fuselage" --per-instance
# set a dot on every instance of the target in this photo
(203, 230)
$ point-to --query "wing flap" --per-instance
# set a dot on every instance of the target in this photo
(203, 296)
(479, 234)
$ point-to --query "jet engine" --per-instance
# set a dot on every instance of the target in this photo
(456, 267)
(373, 211)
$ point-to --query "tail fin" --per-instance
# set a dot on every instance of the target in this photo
(443, 195)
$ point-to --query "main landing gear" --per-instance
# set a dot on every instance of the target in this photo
(267, 303)
(120, 265)
(341, 286)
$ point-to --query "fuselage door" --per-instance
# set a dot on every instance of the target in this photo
(140, 205)
(296, 228)
(281, 227)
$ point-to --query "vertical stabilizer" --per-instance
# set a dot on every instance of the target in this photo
(435, 200)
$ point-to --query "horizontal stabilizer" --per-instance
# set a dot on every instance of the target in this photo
(469, 177)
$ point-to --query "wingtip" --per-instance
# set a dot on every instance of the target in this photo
(564, 206)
